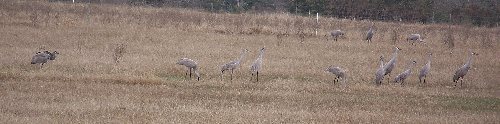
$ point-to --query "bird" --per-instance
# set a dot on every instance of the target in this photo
(425, 69)
(414, 37)
(232, 65)
(256, 65)
(336, 34)
(338, 72)
(191, 65)
(40, 58)
(52, 55)
(390, 65)
(462, 71)
(379, 75)
(401, 77)
(369, 34)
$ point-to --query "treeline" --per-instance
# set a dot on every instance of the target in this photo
(470, 12)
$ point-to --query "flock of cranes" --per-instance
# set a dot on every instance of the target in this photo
(384, 69)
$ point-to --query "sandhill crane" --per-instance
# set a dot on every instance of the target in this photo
(425, 69)
(338, 72)
(255, 68)
(336, 34)
(191, 65)
(379, 75)
(401, 77)
(40, 57)
(369, 34)
(414, 37)
(390, 65)
(462, 71)
(233, 64)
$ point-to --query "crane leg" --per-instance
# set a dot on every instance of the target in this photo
(231, 75)
(251, 77)
(257, 76)
(190, 73)
(221, 75)
(425, 77)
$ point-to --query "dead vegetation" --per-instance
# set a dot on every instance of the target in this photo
(85, 85)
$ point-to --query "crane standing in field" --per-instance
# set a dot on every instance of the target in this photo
(425, 69)
(256, 65)
(379, 75)
(369, 34)
(191, 65)
(390, 65)
(401, 77)
(338, 72)
(462, 71)
(336, 34)
(233, 64)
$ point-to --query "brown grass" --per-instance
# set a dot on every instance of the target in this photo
(86, 84)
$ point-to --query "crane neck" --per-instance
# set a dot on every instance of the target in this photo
(429, 59)
(381, 62)
(243, 53)
(261, 54)
(469, 59)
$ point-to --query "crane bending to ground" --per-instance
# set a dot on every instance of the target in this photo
(233, 64)
(191, 66)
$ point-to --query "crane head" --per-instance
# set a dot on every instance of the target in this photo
(398, 48)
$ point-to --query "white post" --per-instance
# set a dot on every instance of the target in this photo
(73, 1)
(317, 23)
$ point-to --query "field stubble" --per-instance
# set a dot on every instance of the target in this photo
(117, 64)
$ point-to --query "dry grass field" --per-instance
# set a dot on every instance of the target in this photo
(117, 65)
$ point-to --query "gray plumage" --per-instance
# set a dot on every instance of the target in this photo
(40, 58)
(402, 77)
(425, 69)
(233, 64)
(390, 65)
(336, 34)
(338, 72)
(414, 37)
(379, 75)
(191, 65)
(256, 65)
(369, 34)
(462, 71)
(52, 55)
